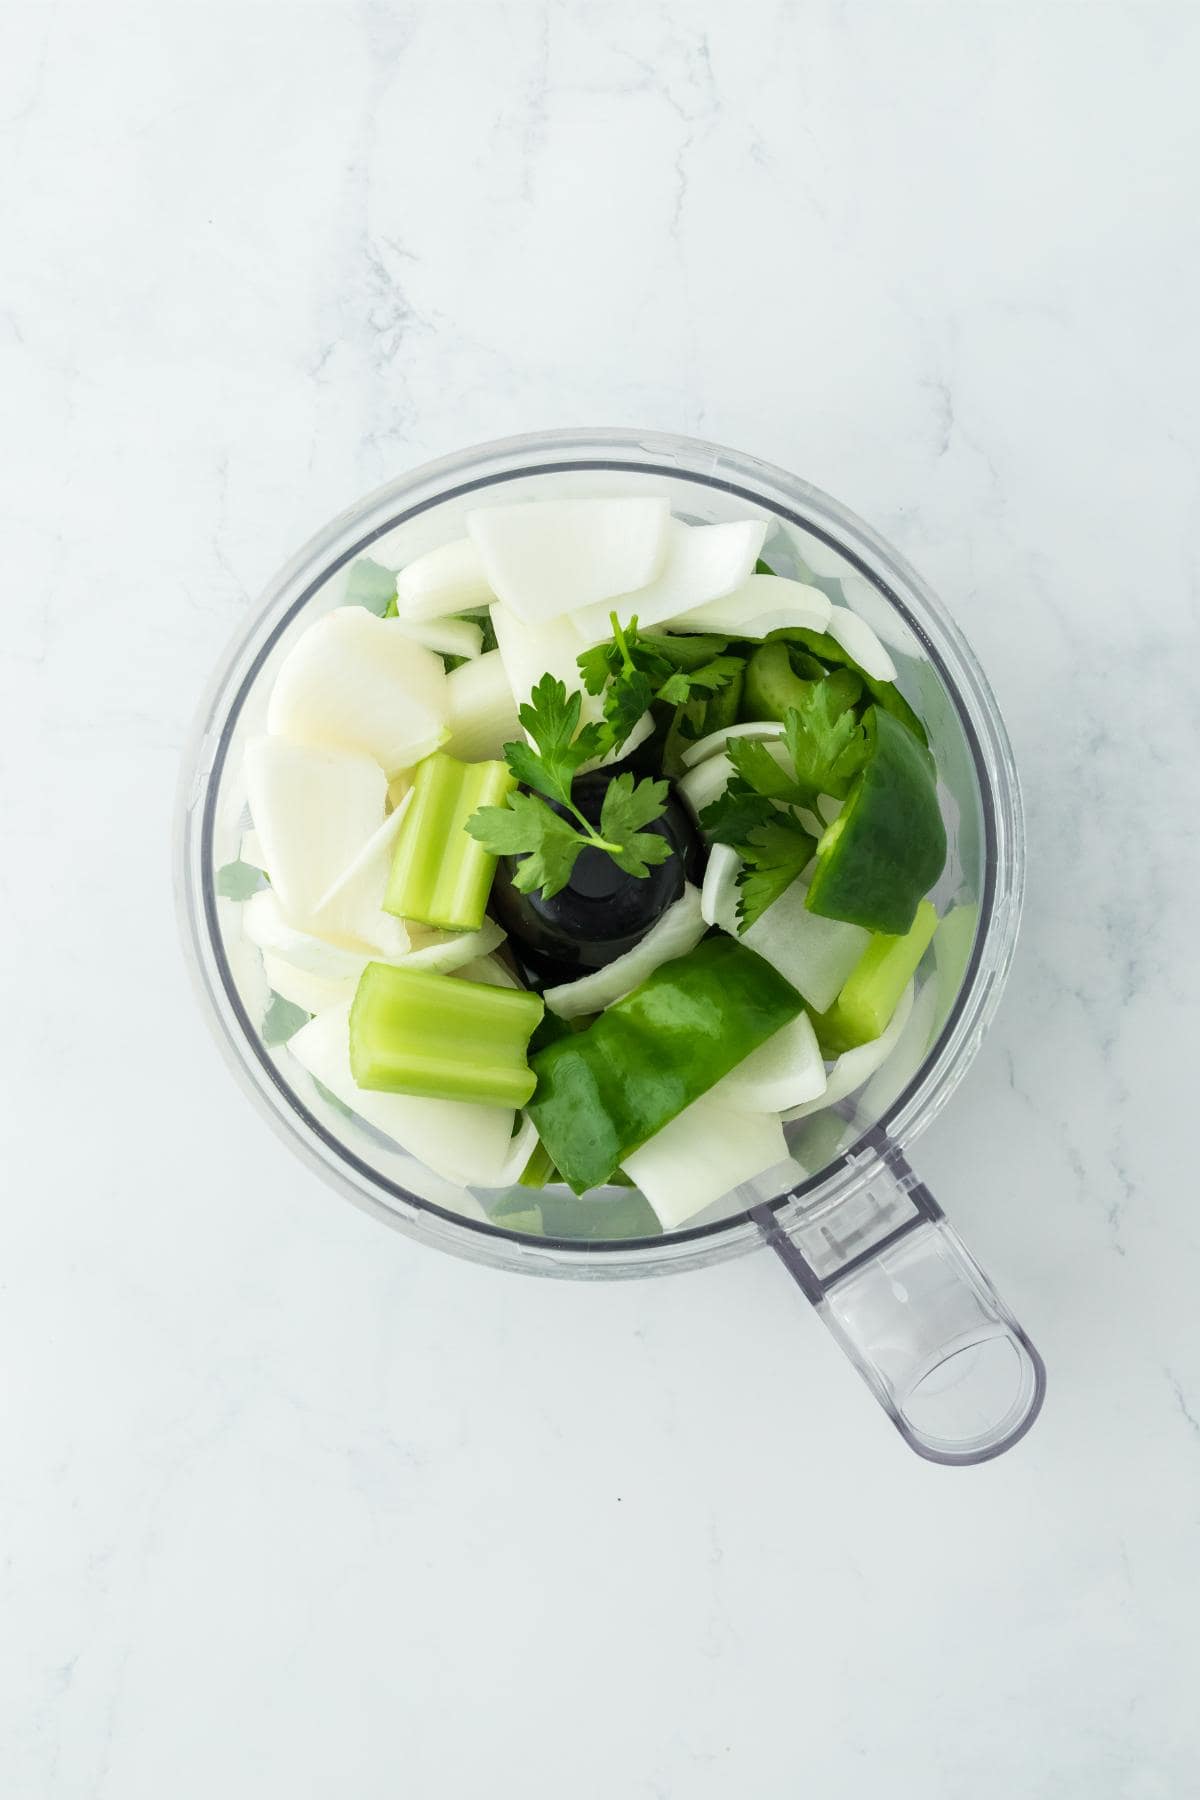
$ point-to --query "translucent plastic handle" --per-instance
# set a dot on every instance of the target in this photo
(942, 1353)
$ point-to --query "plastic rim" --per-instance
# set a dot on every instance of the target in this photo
(786, 498)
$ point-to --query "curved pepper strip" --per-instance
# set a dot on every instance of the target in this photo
(887, 846)
(603, 1091)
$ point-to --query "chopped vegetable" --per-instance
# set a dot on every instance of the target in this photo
(547, 839)
(859, 641)
(282, 1020)
(701, 563)
(352, 910)
(701, 1155)
(355, 682)
(887, 846)
(602, 1092)
(313, 809)
(906, 1056)
(763, 603)
(252, 850)
(816, 955)
(313, 993)
(716, 741)
(855, 1066)
(830, 653)
(446, 951)
(441, 875)
(544, 558)
(864, 1007)
(678, 930)
(461, 638)
(785, 1071)
(480, 710)
(469, 1145)
(447, 580)
(264, 924)
(416, 1033)
(718, 896)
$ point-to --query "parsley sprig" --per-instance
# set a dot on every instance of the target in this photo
(549, 840)
(633, 671)
(826, 748)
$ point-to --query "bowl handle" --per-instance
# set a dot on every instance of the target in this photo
(897, 1287)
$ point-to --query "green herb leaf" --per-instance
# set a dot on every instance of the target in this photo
(826, 743)
(734, 814)
(773, 856)
(369, 584)
(526, 827)
(627, 807)
(757, 767)
(282, 1020)
(238, 880)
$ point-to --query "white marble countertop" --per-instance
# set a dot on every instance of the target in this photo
(290, 1507)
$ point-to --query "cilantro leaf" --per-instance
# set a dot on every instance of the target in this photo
(826, 743)
(773, 856)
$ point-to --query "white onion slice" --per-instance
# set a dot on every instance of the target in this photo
(816, 955)
(544, 558)
(251, 851)
(313, 993)
(718, 896)
(855, 1066)
(446, 637)
(355, 682)
(717, 740)
(859, 641)
(481, 710)
(463, 1142)
(265, 924)
(702, 562)
(353, 906)
(442, 951)
(785, 1071)
(761, 604)
(700, 786)
(489, 970)
(529, 652)
(704, 1153)
(449, 579)
(313, 810)
(678, 931)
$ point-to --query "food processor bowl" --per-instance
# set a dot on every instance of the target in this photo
(847, 1217)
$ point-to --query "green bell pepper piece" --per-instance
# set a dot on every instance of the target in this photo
(830, 652)
(887, 846)
(602, 1092)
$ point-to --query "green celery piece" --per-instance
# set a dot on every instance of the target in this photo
(440, 874)
(603, 1091)
(539, 1169)
(863, 1009)
(887, 846)
(369, 584)
(413, 1032)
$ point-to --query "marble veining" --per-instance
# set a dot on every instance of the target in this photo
(290, 1506)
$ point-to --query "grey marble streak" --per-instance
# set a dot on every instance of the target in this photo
(288, 1507)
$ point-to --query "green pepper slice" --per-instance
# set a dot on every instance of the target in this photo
(603, 1091)
(830, 652)
(887, 846)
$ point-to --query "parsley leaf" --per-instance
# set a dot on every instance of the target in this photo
(549, 837)
(826, 743)
(526, 827)
(626, 808)
(773, 856)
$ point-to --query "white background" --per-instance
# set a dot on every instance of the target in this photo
(289, 1506)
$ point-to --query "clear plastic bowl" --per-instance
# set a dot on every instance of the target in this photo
(849, 1220)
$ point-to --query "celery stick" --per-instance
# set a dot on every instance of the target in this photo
(441, 1037)
(866, 1003)
(440, 874)
(539, 1169)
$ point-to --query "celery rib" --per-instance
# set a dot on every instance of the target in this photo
(440, 874)
(440, 1037)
